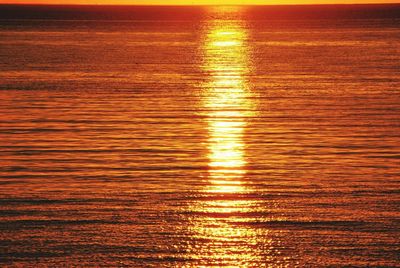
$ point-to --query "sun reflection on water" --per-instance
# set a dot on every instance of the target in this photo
(227, 102)
(228, 105)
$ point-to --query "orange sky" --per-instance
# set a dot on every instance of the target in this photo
(198, 2)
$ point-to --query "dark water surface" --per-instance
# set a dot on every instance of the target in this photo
(219, 141)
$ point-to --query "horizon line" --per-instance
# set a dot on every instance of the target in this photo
(200, 5)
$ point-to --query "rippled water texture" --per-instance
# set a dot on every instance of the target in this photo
(220, 141)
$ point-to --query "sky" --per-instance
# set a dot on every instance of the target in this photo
(197, 2)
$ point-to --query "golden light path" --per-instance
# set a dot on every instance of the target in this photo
(228, 103)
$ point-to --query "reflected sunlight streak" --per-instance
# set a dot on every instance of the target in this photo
(228, 104)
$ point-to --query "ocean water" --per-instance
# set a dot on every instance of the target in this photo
(219, 138)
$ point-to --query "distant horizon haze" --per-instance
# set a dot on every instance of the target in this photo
(196, 2)
(193, 13)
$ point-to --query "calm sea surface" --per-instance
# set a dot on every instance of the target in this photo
(218, 141)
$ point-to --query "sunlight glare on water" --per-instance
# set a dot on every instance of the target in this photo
(228, 104)
(227, 99)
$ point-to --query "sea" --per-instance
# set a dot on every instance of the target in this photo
(203, 136)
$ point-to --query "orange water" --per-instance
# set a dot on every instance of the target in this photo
(217, 142)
